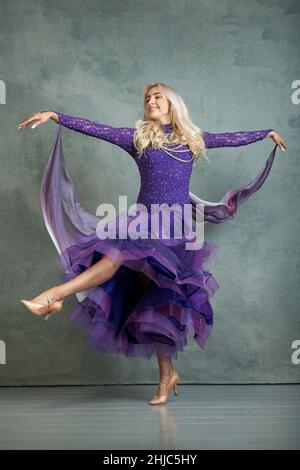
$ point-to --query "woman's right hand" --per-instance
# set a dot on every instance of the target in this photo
(40, 118)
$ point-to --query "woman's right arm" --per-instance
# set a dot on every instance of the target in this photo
(120, 136)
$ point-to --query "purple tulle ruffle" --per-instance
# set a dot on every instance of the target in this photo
(121, 315)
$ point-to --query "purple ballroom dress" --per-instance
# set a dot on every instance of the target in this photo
(121, 315)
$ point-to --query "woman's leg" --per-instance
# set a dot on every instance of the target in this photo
(91, 277)
(168, 379)
(165, 365)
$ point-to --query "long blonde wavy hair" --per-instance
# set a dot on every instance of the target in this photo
(149, 132)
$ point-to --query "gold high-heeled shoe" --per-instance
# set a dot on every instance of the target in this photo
(164, 389)
(51, 307)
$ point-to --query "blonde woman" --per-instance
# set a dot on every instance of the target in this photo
(137, 297)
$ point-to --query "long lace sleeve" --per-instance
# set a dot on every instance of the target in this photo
(120, 136)
(233, 139)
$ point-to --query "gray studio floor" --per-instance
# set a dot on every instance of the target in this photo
(119, 417)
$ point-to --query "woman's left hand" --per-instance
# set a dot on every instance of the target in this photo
(277, 139)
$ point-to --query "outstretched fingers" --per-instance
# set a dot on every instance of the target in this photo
(34, 117)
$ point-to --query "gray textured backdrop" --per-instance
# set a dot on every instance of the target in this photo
(234, 63)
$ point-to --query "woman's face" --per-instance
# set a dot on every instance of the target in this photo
(157, 106)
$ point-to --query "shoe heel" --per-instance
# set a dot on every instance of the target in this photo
(55, 308)
(48, 316)
(175, 390)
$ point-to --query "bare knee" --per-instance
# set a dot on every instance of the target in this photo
(111, 265)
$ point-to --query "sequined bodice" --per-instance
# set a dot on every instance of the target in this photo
(163, 178)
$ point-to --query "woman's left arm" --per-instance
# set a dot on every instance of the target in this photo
(235, 139)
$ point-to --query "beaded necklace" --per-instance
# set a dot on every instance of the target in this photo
(165, 149)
